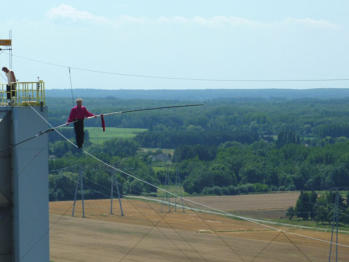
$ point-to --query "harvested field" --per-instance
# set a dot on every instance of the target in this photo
(272, 205)
(149, 233)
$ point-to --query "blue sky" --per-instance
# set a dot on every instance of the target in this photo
(224, 39)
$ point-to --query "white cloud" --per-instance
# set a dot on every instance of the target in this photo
(225, 20)
(208, 21)
(312, 22)
(64, 11)
(68, 12)
(126, 19)
(174, 19)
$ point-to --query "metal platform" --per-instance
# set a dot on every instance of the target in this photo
(23, 94)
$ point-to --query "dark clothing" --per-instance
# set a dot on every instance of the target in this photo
(79, 132)
(11, 91)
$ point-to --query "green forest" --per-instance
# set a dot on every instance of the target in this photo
(228, 146)
(321, 207)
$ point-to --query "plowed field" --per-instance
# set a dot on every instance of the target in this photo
(272, 205)
(148, 232)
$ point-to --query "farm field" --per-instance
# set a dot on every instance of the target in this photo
(98, 136)
(148, 232)
(168, 151)
(272, 205)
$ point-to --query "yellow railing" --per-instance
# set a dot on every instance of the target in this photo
(22, 94)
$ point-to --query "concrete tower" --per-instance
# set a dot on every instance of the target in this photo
(24, 217)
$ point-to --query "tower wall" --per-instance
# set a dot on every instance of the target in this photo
(6, 210)
(27, 170)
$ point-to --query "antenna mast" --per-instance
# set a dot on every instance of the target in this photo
(10, 50)
(8, 44)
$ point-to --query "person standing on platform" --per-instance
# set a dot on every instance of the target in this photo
(77, 115)
(11, 83)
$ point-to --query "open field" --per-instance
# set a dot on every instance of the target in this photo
(168, 151)
(98, 136)
(149, 233)
(271, 205)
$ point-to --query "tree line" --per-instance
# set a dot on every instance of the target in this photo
(321, 208)
(228, 146)
(234, 168)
